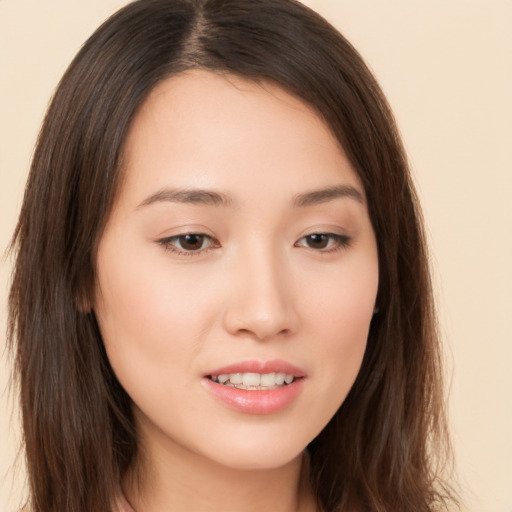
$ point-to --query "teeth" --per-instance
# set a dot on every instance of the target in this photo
(236, 378)
(254, 380)
(251, 379)
(288, 379)
(268, 379)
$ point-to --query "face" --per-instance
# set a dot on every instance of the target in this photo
(237, 273)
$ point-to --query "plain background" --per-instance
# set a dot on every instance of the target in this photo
(446, 67)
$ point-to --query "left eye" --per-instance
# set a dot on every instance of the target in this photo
(188, 243)
(324, 241)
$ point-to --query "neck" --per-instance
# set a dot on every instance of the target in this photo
(166, 478)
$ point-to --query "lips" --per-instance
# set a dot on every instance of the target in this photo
(256, 387)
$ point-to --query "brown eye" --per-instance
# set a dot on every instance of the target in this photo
(192, 242)
(317, 241)
(324, 242)
(189, 244)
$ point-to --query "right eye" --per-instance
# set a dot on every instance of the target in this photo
(324, 242)
(189, 244)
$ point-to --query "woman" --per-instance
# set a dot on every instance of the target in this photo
(221, 295)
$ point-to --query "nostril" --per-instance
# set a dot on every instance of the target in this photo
(263, 334)
(263, 311)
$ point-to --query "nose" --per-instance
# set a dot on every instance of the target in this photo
(263, 303)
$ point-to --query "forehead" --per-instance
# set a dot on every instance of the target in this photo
(202, 129)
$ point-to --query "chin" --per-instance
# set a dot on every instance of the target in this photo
(258, 460)
(257, 451)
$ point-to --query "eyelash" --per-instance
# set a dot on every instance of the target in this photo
(338, 242)
(172, 243)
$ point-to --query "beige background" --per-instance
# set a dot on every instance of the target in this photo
(446, 67)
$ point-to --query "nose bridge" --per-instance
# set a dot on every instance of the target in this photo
(263, 304)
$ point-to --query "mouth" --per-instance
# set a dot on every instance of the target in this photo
(254, 381)
(256, 387)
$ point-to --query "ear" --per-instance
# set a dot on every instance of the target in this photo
(85, 289)
(84, 306)
(84, 300)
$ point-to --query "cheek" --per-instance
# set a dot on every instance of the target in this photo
(341, 346)
(340, 318)
(340, 302)
(153, 317)
(148, 329)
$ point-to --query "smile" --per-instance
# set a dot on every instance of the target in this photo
(256, 387)
(254, 381)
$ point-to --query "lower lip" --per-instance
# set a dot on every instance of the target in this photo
(258, 401)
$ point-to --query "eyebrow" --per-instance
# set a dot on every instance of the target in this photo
(327, 194)
(188, 196)
(213, 198)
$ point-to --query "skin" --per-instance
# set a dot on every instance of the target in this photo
(255, 288)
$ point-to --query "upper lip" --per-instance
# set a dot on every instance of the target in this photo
(262, 367)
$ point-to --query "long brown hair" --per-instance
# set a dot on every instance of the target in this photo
(380, 450)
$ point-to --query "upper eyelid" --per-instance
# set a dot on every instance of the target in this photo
(211, 237)
(197, 232)
(327, 232)
(341, 238)
(338, 242)
(166, 243)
